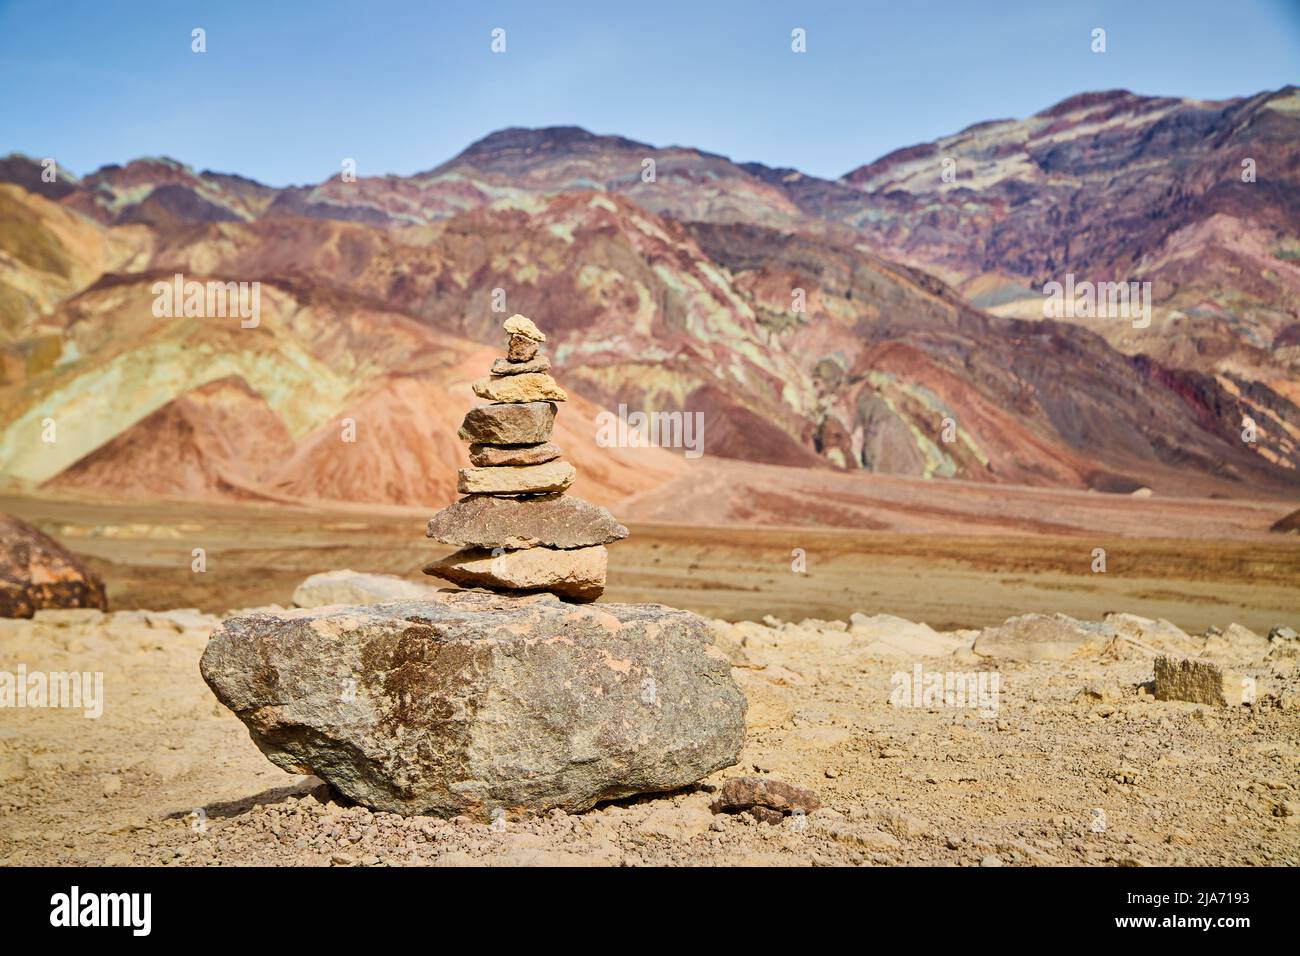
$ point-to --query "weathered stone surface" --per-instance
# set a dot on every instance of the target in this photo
(520, 348)
(487, 456)
(519, 324)
(1235, 644)
(1281, 637)
(555, 521)
(577, 574)
(355, 587)
(474, 703)
(37, 572)
(886, 637)
(516, 479)
(509, 424)
(1039, 637)
(506, 367)
(745, 793)
(529, 387)
(1201, 682)
(1152, 635)
(731, 641)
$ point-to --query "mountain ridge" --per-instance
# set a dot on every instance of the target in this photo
(674, 292)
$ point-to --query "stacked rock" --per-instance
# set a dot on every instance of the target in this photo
(516, 528)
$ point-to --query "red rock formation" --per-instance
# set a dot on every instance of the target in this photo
(37, 573)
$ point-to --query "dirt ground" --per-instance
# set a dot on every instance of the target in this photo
(1053, 775)
(256, 555)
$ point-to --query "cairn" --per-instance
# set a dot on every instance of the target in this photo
(477, 704)
(516, 528)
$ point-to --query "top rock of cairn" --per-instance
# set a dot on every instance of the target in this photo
(516, 528)
(522, 325)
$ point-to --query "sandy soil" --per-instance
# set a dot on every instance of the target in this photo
(166, 776)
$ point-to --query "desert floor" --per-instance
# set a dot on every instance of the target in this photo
(167, 776)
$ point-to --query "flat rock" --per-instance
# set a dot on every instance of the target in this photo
(527, 387)
(554, 521)
(577, 574)
(476, 703)
(1200, 682)
(516, 479)
(36, 572)
(355, 587)
(519, 324)
(525, 424)
(745, 793)
(506, 367)
(1040, 637)
(486, 456)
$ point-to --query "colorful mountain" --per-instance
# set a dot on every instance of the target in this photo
(890, 321)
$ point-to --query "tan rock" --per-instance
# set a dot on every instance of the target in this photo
(519, 324)
(509, 424)
(486, 456)
(1154, 635)
(1038, 637)
(528, 387)
(577, 574)
(1198, 681)
(885, 637)
(506, 367)
(1236, 643)
(517, 479)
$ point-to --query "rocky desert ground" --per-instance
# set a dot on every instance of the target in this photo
(1072, 761)
(1076, 763)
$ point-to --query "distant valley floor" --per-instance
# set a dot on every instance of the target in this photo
(953, 555)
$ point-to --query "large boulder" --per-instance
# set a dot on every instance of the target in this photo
(471, 703)
(36, 573)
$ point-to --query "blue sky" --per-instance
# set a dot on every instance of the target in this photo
(287, 89)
